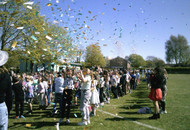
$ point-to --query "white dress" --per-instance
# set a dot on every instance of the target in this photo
(94, 95)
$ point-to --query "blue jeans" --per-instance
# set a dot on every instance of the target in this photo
(48, 95)
(84, 104)
(58, 99)
(3, 116)
(107, 91)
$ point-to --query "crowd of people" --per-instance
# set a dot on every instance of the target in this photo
(88, 87)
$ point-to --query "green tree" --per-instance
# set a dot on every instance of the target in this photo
(136, 60)
(153, 61)
(94, 56)
(149, 64)
(36, 40)
(177, 50)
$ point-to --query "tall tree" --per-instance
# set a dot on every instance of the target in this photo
(152, 61)
(175, 48)
(136, 60)
(94, 56)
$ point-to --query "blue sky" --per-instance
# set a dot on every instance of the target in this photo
(122, 27)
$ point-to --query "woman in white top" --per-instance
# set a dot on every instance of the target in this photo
(46, 86)
(102, 84)
(41, 93)
(94, 101)
(114, 79)
(85, 96)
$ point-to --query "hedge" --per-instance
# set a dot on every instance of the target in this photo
(178, 70)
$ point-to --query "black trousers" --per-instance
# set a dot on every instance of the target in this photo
(101, 95)
(67, 99)
(114, 91)
(119, 89)
(19, 104)
(124, 88)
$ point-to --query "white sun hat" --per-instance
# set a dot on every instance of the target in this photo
(4, 56)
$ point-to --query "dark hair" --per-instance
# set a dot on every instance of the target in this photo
(59, 74)
(159, 71)
(15, 79)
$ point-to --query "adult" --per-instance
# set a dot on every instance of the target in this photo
(133, 80)
(41, 92)
(5, 91)
(156, 82)
(58, 92)
(67, 95)
(164, 93)
(114, 83)
(107, 86)
(19, 97)
(85, 96)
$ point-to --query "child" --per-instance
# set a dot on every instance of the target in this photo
(94, 101)
(29, 92)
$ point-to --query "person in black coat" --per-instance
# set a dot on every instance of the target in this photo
(19, 97)
(5, 91)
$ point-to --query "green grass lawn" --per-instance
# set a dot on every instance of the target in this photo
(177, 106)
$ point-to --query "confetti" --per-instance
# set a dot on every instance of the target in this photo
(14, 44)
(114, 9)
(75, 115)
(48, 37)
(28, 125)
(29, 7)
(79, 13)
(57, 1)
(52, 103)
(29, 3)
(33, 37)
(103, 13)
(48, 4)
(28, 52)
(89, 12)
(19, 27)
(55, 22)
(37, 32)
(2, 3)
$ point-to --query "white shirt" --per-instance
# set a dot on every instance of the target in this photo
(102, 82)
(128, 77)
(87, 84)
(114, 80)
(59, 85)
(45, 83)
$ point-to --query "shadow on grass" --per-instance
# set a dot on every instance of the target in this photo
(124, 119)
(40, 124)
